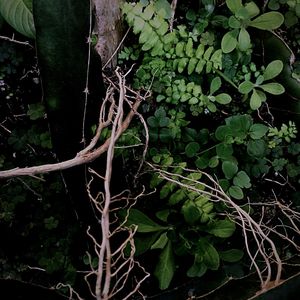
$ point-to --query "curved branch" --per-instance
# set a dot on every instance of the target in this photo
(79, 159)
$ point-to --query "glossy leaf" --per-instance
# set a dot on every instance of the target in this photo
(17, 14)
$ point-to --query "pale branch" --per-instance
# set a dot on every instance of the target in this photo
(13, 40)
(79, 159)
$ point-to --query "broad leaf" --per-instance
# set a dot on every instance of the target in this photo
(208, 254)
(223, 98)
(224, 150)
(229, 41)
(234, 5)
(236, 192)
(165, 268)
(232, 255)
(198, 269)
(244, 40)
(229, 169)
(268, 21)
(144, 223)
(215, 85)
(257, 131)
(222, 228)
(273, 69)
(255, 100)
(242, 180)
(273, 88)
(256, 148)
(17, 14)
(246, 87)
(192, 149)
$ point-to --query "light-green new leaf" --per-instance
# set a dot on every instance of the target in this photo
(268, 21)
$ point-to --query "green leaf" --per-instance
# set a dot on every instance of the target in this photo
(208, 254)
(273, 69)
(176, 197)
(224, 150)
(215, 84)
(192, 149)
(257, 131)
(229, 169)
(165, 268)
(244, 40)
(222, 228)
(213, 162)
(161, 241)
(252, 9)
(223, 98)
(17, 14)
(273, 88)
(242, 180)
(255, 100)
(236, 192)
(256, 148)
(234, 5)
(144, 223)
(229, 41)
(165, 6)
(198, 269)
(268, 21)
(143, 243)
(246, 87)
(190, 212)
(232, 255)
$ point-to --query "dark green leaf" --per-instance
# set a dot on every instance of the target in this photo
(161, 242)
(229, 41)
(144, 223)
(198, 269)
(242, 180)
(165, 268)
(192, 149)
(222, 228)
(256, 148)
(229, 169)
(224, 150)
(236, 192)
(257, 131)
(232, 255)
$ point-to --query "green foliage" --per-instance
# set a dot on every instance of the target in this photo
(18, 15)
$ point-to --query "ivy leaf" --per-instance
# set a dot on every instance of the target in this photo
(242, 180)
(273, 88)
(144, 223)
(273, 69)
(268, 21)
(222, 228)
(229, 41)
(236, 192)
(232, 255)
(229, 169)
(165, 268)
(244, 40)
(257, 131)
